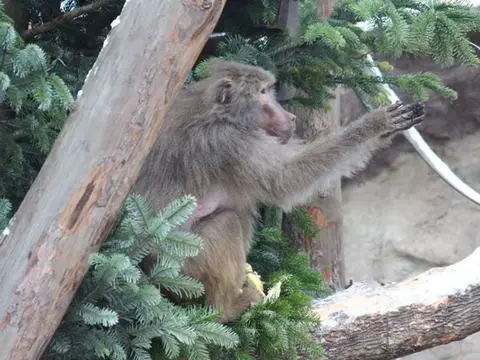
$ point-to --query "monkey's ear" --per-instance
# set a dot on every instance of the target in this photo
(224, 91)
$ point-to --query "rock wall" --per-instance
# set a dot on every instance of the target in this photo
(400, 218)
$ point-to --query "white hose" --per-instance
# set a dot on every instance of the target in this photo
(422, 148)
(426, 153)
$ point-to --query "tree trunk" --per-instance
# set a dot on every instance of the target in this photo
(16, 12)
(325, 7)
(437, 307)
(76, 197)
(326, 249)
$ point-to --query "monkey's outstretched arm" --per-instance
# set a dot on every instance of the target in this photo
(341, 154)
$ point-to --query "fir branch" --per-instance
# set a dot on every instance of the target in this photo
(119, 311)
(93, 315)
(62, 19)
(28, 60)
(9, 37)
(178, 211)
(5, 208)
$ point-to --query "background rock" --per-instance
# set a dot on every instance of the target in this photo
(400, 218)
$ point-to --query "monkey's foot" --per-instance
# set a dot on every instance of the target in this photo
(254, 296)
(402, 117)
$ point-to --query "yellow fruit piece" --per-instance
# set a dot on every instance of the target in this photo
(253, 279)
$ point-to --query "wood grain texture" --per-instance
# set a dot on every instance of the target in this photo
(72, 204)
(386, 322)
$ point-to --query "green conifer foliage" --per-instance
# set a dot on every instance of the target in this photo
(433, 28)
(34, 103)
(5, 208)
(279, 328)
(119, 313)
(332, 52)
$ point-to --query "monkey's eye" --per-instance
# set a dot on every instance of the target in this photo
(263, 91)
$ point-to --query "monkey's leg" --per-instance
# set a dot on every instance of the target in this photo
(220, 265)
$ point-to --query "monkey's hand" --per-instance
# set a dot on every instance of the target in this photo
(401, 117)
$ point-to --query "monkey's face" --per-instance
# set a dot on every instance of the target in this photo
(274, 119)
(251, 102)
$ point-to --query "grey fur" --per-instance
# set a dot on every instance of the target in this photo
(217, 145)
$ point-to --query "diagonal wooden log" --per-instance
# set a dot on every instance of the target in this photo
(72, 204)
(385, 322)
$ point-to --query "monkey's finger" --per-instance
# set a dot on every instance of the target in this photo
(411, 115)
(415, 121)
(414, 108)
(418, 108)
(411, 122)
(409, 112)
(404, 125)
(394, 106)
(407, 117)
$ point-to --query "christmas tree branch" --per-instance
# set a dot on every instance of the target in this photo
(60, 20)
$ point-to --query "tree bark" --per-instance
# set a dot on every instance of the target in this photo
(15, 10)
(76, 197)
(325, 7)
(325, 249)
(288, 16)
(382, 323)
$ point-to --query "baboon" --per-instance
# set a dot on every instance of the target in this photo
(228, 142)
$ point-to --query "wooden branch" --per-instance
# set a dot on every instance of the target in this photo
(76, 197)
(382, 323)
(63, 19)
